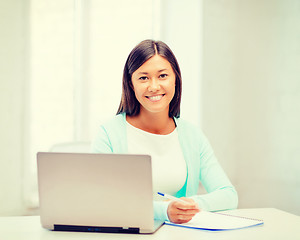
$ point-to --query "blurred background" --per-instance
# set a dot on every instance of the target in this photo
(61, 66)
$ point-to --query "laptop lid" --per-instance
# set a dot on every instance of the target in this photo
(96, 192)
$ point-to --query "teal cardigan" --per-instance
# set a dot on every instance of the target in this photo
(201, 163)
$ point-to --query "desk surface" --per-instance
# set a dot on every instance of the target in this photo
(277, 225)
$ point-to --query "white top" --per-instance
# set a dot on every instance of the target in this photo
(168, 165)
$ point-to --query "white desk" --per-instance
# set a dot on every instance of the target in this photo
(278, 225)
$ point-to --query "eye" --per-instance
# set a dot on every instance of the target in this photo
(143, 78)
(163, 75)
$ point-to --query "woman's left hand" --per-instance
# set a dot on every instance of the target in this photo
(182, 212)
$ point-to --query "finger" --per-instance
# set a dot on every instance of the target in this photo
(183, 218)
(186, 206)
(190, 203)
(184, 203)
(188, 212)
(183, 215)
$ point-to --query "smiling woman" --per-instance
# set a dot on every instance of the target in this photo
(148, 122)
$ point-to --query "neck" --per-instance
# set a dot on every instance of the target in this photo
(157, 123)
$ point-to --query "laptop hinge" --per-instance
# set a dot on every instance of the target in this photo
(76, 228)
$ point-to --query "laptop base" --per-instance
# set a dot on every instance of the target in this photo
(75, 228)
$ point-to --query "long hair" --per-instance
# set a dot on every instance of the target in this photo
(140, 54)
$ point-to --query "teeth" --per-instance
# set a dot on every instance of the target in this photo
(155, 98)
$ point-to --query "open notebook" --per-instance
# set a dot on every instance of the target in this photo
(216, 221)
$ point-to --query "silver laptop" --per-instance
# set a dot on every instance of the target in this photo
(89, 192)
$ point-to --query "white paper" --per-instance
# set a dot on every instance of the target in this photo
(219, 221)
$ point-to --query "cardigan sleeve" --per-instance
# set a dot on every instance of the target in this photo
(203, 166)
(101, 143)
(221, 195)
(111, 136)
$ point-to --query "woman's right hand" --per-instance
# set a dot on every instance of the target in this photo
(182, 212)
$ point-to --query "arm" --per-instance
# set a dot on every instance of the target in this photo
(101, 143)
(221, 195)
(203, 166)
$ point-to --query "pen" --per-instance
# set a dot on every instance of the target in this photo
(171, 197)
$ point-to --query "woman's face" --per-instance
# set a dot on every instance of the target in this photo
(154, 85)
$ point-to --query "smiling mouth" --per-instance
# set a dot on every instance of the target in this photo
(155, 98)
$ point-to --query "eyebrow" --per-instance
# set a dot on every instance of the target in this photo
(158, 71)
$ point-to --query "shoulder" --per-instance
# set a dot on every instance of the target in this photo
(190, 133)
(111, 135)
(116, 122)
(187, 127)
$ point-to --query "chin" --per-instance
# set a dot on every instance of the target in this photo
(156, 110)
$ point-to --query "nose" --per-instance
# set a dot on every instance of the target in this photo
(154, 85)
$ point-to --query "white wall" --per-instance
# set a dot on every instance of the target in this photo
(248, 85)
(251, 97)
(13, 79)
(181, 29)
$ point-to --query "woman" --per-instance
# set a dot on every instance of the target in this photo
(148, 122)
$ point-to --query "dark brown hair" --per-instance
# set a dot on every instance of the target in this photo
(140, 54)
